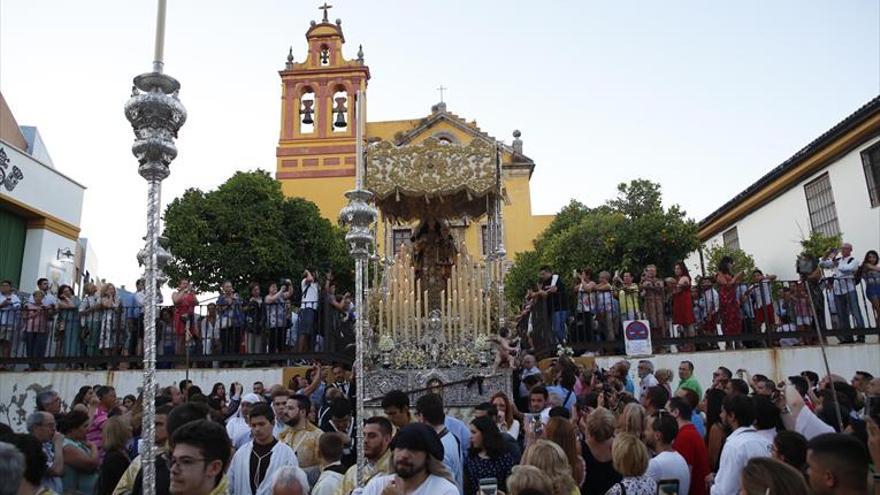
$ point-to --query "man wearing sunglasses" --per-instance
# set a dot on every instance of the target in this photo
(200, 453)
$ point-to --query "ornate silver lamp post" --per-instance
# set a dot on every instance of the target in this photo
(156, 115)
(359, 217)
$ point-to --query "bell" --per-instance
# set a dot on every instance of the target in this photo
(340, 120)
(307, 112)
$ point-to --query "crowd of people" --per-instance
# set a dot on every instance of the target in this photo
(106, 321)
(841, 290)
(566, 427)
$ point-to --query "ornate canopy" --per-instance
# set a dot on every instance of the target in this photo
(432, 178)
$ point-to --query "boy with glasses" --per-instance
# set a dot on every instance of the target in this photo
(199, 456)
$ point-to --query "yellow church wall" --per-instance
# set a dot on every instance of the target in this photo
(326, 192)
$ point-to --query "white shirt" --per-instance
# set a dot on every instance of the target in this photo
(647, 382)
(743, 444)
(670, 466)
(433, 485)
(328, 483)
(843, 273)
(240, 469)
(309, 294)
(7, 316)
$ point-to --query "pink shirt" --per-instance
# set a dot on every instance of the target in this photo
(93, 434)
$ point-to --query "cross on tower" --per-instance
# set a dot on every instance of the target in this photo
(441, 89)
(325, 8)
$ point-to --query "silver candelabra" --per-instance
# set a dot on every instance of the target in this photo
(359, 216)
(156, 115)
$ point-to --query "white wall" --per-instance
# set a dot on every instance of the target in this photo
(44, 188)
(40, 259)
(773, 232)
(18, 390)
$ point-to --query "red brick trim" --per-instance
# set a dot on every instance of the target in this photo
(315, 174)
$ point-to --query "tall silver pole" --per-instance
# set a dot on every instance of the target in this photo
(359, 216)
(156, 115)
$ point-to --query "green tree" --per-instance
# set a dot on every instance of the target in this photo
(625, 234)
(246, 230)
(742, 261)
(817, 244)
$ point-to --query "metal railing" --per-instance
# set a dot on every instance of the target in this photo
(97, 335)
(746, 315)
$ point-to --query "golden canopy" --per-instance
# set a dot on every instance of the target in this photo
(432, 178)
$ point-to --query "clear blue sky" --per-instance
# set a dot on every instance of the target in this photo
(703, 97)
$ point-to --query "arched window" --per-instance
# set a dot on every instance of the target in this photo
(307, 109)
(445, 138)
(340, 110)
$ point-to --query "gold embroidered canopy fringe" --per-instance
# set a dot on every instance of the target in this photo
(431, 178)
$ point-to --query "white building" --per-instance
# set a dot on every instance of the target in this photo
(40, 210)
(832, 185)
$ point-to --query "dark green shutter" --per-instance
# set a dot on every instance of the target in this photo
(13, 229)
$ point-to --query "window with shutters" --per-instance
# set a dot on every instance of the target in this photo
(871, 161)
(731, 239)
(820, 204)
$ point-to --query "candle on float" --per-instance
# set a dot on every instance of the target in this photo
(455, 312)
(476, 317)
(418, 316)
(381, 306)
(443, 318)
(488, 315)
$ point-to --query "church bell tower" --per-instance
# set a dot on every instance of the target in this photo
(315, 157)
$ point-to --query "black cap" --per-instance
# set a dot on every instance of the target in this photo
(419, 437)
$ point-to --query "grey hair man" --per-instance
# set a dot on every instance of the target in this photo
(41, 425)
(11, 469)
(646, 376)
(49, 401)
(290, 480)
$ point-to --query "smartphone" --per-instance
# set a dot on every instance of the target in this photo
(488, 486)
(667, 487)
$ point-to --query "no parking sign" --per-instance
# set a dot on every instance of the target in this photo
(637, 335)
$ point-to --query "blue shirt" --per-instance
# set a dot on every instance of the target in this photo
(563, 394)
(697, 420)
(629, 385)
(127, 301)
(461, 431)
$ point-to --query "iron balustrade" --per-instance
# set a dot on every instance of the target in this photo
(94, 335)
(770, 313)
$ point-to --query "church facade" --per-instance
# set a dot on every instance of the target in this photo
(316, 147)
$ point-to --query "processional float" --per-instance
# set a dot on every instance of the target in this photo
(432, 308)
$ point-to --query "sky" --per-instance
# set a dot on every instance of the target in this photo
(702, 97)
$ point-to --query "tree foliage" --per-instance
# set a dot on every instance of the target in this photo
(246, 230)
(742, 261)
(626, 234)
(818, 243)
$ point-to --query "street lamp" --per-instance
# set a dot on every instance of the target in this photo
(156, 115)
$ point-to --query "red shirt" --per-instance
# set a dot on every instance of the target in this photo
(690, 445)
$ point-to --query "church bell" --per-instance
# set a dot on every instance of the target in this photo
(340, 120)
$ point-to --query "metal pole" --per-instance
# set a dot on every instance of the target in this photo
(824, 355)
(359, 217)
(148, 453)
(359, 301)
(156, 115)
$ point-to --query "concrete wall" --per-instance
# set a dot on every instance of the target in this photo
(773, 232)
(18, 390)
